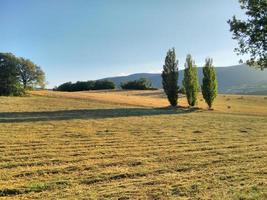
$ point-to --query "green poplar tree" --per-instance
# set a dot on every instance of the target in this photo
(170, 77)
(190, 81)
(209, 83)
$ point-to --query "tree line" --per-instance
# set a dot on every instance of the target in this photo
(85, 85)
(191, 86)
(18, 74)
(140, 84)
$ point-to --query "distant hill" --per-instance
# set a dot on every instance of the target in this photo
(259, 88)
(233, 79)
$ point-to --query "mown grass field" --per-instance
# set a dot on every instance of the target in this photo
(125, 145)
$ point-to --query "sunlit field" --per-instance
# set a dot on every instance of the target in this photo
(130, 145)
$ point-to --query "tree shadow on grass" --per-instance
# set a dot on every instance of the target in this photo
(13, 117)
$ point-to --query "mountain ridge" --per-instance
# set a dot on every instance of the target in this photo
(229, 78)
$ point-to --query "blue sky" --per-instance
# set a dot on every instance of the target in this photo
(90, 39)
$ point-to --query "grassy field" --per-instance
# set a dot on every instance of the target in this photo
(126, 145)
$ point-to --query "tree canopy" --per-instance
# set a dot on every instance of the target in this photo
(251, 33)
(9, 75)
(140, 84)
(31, 75)
(18, 74)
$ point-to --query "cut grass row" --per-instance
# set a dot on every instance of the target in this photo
(165, 155)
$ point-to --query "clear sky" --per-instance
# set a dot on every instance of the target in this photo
(90, 39)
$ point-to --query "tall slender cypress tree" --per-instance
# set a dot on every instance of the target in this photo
(209, 83)
(170, 77)
(190, 81)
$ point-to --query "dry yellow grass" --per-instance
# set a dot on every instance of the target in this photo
(238, 104)
(119, 145)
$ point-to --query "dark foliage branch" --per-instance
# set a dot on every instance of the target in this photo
(251, 33)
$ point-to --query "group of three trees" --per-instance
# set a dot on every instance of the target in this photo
(18, 74)
(190, 81)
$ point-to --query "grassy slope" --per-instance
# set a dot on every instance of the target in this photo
(118, 145)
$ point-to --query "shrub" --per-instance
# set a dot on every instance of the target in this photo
(181, 90)
(140, 84)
